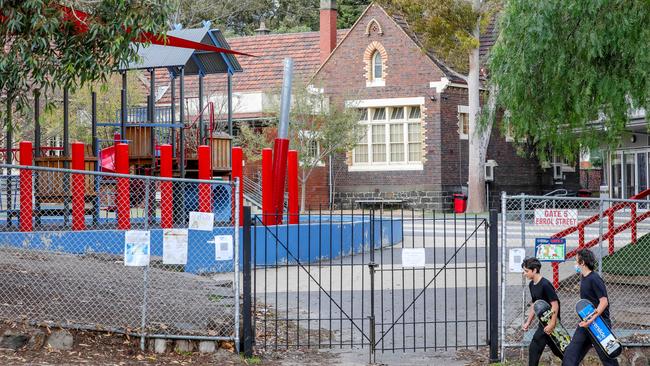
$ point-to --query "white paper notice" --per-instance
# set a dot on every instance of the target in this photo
(413, 257)
(223, 247)
(136, 248)
(203, 221)
(175, 246)
(516, 256)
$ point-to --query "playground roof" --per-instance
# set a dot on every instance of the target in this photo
(193, 61)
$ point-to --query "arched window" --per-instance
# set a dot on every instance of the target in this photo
(377, 66)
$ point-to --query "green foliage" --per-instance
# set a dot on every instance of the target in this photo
(108, 103)
(446, 27)
(567, 69)
(631, 260)
(242, 17)
(44, 52)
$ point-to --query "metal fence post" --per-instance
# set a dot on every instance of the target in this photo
(600, 235)
(371, 268)
(504, 241)
(493, 285)
(522, 219)
(247, 311)
(146, 270)
(235, 225)
(143, 322)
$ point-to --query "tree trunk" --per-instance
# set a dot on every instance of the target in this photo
(476, 175)
(303, 186)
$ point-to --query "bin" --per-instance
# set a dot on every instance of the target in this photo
(584, 193)
(460, 202)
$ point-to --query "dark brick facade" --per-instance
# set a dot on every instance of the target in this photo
(408, 73)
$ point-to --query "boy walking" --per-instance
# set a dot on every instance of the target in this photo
(540, 289)
(592, 288)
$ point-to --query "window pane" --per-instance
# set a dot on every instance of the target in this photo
(414, 112)
(379, 143)
(397, 152)
(379, 114)
(361, 154)
(377, 66)
(415, 152)
(364, 114)
(396, 133)
(463, 122)
(398, 113)
(414, 132)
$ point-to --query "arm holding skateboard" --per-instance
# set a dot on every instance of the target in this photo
(548, 329)
(602, 305)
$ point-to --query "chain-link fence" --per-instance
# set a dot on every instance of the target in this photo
(553, 229)
(125, 253)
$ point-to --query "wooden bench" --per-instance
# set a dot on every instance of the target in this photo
(380, 202)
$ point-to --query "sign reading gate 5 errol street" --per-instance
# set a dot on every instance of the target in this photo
(556, 217)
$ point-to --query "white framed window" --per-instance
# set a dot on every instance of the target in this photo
(463, 122)
(392, 139)
(312, 147)
(377, 66)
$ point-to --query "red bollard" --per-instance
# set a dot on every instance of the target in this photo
(26, 211)
(238, 172)
(123, 187)
(294, 211)
(267, 187)
(205, 171)
(166, 206)
(280, 151)
(77, 187)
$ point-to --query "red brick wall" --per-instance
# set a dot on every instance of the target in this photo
(317, 192)
(407, 74)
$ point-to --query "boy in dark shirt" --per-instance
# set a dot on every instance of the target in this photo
(592, 288)
(540, 289)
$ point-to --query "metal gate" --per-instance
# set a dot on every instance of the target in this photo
(386, 280)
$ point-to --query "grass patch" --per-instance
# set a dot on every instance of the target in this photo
(632, 260)
(251, 360)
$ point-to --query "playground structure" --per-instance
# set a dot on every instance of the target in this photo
(163, 141)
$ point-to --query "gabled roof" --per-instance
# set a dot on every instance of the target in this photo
(265, 71)
(193, 61)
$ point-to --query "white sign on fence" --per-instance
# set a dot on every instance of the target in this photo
(136, 248)
(556, 217)
(413, 257)
(175, 246)
(203, 221)
(223, 245)
(516, 257)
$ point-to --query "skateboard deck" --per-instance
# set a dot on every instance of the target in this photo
(560, 336)
(599, 331)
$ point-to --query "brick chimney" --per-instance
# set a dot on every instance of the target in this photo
(327, 28)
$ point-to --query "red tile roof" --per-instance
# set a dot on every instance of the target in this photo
(263, 72)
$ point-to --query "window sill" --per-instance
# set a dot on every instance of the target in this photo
(375, 83)
(385, 167)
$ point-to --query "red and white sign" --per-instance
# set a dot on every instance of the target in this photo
(556, 217)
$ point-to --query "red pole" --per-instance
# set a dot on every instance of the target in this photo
(280, 151)
(78, 189)
(238, 172)
(116, 138)
(267, 186)
(610, 231)
(633, 219)
(204, 174)
(123, 193)
(166, 206)
(294, 210)
(26, 212)
(556, 275)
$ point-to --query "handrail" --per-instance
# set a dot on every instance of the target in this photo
(609, 235)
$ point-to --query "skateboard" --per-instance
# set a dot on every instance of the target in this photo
(560, 336)
(599, 331)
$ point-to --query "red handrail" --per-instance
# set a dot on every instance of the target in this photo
(609, 235)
